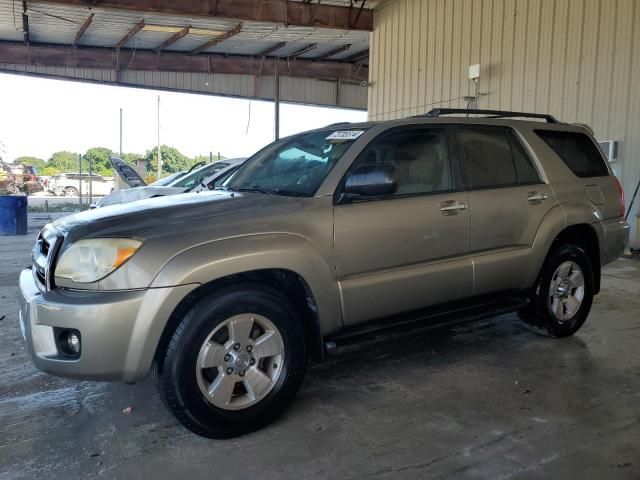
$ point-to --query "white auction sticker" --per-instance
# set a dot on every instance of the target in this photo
(345, 135)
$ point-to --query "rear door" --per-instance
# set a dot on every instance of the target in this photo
(409, 250)
(508, 200)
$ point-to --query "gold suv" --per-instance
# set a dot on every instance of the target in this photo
(316, 241)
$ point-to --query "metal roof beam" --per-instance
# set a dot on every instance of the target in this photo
(25, 23)
(333, 52)
(306, 49)
(82, 29)
(130, 34)
(172, 39)
(270, 50)
(274, 11)
(357, 57)
(146, 60)
(217, 40)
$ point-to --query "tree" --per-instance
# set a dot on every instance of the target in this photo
(64, 162)
(172, 160)
(38, 163)
(100, 162)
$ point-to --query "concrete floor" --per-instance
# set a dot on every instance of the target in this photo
(491, 400)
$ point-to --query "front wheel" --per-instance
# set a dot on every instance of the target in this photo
(564, 293)
(70, 192)
(234, 363)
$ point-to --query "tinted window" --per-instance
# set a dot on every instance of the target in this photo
(493, 157)
(577, 151)
(525, 171)
(420, 159)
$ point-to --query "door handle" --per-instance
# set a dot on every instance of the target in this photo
(536, 197)
(452, 207)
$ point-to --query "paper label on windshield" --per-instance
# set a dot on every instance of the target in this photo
(345, 135)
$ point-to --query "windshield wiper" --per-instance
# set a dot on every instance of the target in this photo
(274, 191)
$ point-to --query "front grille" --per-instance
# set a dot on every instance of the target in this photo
(43, 255)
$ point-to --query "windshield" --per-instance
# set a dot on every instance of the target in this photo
(167, 180)
(196, 177)
(294, 166)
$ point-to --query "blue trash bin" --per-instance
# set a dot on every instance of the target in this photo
(13, 215)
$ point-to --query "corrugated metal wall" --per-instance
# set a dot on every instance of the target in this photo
(296, 90)
(576, 59)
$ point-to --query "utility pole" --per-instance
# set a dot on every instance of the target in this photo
(121, 133)
(159, 152)
(91, 177)
(276, 100)
(80, 180)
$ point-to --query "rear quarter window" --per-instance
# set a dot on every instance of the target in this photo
(577, 151)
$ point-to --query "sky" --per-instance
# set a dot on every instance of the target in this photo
(41, 116)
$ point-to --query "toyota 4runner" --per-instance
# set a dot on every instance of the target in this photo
(318, 239)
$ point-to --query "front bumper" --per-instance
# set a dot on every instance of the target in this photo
(119, 330)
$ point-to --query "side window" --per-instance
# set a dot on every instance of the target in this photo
(577, 151)
(525, 171)
(420, 158)
(494, 158)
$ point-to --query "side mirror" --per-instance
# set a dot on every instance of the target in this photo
(371, 181)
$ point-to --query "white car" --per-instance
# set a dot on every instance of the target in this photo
(207, 177)
(68, 184)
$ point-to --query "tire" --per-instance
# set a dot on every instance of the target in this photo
(193, 363)
(70, 192)
(564, 292)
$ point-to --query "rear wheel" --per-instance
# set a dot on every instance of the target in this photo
(70, 192)
(564, 292)
(234, 362)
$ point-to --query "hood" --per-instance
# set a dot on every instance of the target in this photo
(164, 214)
(140, 193)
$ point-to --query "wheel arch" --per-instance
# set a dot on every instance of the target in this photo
(290, 262)
(287, 282)
(583, 235)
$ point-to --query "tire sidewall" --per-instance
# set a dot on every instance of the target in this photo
(180, 363)
(557, 327)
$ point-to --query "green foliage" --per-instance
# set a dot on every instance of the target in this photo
(100, 163)
(67, 162)
(172, 160)
(64, 162)
(31, 161)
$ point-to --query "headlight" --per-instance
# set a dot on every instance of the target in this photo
(90, 260)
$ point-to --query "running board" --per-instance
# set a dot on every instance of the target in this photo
(371, 333)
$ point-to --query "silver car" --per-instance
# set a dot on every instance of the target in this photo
(316, 243)
(206, 177)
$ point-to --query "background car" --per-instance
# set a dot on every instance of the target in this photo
(207, 177)
(68, 184)
(168, 180)
(18, 178)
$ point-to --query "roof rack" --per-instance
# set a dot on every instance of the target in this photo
(437, 112)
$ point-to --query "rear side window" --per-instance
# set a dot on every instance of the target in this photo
(577, 151)
(493, 158)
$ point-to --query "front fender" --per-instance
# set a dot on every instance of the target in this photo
(217, 259)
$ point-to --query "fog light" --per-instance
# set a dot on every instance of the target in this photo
(69, 342)
(74, 343)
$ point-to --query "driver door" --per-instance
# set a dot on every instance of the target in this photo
(409, 250)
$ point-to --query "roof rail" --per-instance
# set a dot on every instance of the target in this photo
(437, 112)
(337, 124)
